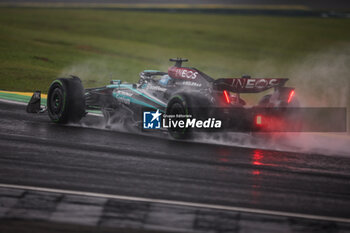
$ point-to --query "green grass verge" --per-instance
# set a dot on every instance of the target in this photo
(39, 45)
(25, 99)
(18, 98)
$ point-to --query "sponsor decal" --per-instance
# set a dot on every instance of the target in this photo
(124, 100)
(123, 96)
(258, 83)
(183, 73)
(189, 74)
(192, 84)
(123, 93)
(156, 88)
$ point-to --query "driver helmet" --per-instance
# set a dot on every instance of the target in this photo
(164, 80)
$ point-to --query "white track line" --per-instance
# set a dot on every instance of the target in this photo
(13, 102)
(180, 203)
(23, 103)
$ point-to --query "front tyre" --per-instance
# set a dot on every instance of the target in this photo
(66, 101)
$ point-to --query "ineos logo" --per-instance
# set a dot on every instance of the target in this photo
(188, 74)
(261, 83)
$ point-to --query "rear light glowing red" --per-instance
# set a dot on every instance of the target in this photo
(227, 97)
(290, 97)
(258, 120)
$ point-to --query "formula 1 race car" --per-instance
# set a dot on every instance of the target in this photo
(180, 91)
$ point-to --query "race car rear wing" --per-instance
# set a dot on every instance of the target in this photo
(247, 84)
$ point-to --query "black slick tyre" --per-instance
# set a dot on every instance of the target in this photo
(66, 101)
(179, 104)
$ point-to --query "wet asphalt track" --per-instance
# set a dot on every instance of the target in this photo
(36, 152)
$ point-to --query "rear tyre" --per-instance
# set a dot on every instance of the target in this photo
(179, 104)
(66, 101)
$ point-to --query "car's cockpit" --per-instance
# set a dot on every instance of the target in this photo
(154, 77)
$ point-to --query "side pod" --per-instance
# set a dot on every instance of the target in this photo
(34, 105)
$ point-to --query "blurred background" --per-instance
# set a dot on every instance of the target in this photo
(305, 41)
